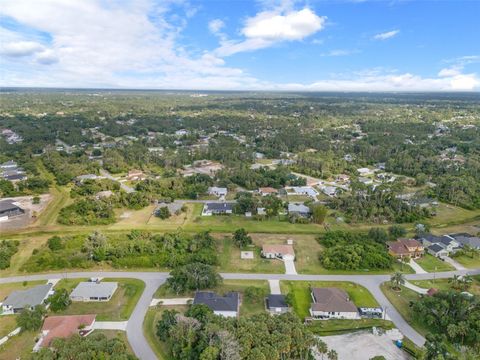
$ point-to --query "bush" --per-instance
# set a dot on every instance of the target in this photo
(55, 243)
(163, 213)
(7, 249)
(87, 212)
(59, 301)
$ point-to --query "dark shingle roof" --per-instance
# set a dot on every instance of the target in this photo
(276, 301)
(436, 248)
(7, 205)
(229, 302)
(224, 206)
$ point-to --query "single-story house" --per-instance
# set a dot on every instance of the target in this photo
(8, 209)
(405, 247)
(448, 243)
(82, 178)
(261, 211)
(64, 327)
(217, 191)
(264, 191)
(329, 190)
(365, 171)
(14, 176)
(465, 239)
(304, 190)
(105, 194)
(227, 305)
(365, 180)
(28, 298)
(438, 250)
(221, 208)
(10, 164)
(276, 304)
(332, 303)
(299, 209)
(173, 207)
(135, 175)
(282, 251)
(94, 291)
(342, 178)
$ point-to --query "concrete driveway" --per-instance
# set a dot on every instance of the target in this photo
(417, 268)
(290, 267)
(454, 263)
(274, 287)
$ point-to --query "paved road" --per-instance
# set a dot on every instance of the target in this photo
(154, 279)
(125, 187)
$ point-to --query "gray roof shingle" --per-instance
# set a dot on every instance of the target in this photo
(20, 299)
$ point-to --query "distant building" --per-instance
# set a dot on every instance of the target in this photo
(29, 298)
(304, 190)
(8, 165)
(280, 251)
(332, 303)
(221, 208)
(465, 239)
(217, 191)
(227, 305)
(94, 291)
(299, 209)
(135, 174)
(264, 191)
(9, 209)
(276, 304)
(405, 248)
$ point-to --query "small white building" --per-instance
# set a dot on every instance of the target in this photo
(217, 191)
(94, 291)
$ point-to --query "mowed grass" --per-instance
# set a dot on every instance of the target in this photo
(302, 298)
(247, 306)
(118, 308)
(401, 301)
(19, 346)
(340, 326)
(444, 284)
(431, 263)
(468, 262)
(8, 323)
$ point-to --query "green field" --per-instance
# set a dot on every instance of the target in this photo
(118, 308)
(8, 323)
(302, 299)
(339, 326)
(468, 262)
(430, 263)
(444, 284)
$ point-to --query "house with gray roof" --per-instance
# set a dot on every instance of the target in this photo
(465, 239)
(438, 250)
(26, 299)
(217, 208)
(94, 291)
(332, 303)
(8, 209)
(276, 304)
(299, 209)
(227, 305)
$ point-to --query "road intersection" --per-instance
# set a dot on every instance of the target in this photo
(153, 280)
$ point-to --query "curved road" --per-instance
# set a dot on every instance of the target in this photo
(154, 279)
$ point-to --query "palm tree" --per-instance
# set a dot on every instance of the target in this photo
(322, 347)
(332, 355)
(466, 282)
(397, 280)
(455, 281)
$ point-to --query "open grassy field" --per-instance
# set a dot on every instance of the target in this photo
(443, 284)
(118, 308)
(302, 299)
(468, 262)
(431, 263)
(19, 346)
(230, 261)
(247, 307)
(450, 215)
(8, 323)
(401, 301)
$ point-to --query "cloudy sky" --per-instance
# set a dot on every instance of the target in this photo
(316, 45)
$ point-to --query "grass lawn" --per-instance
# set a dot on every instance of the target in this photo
(8, 323)
(150, 328)
(449, 215)
(468, 262)
(339, 326)
(443, 284)
(117, 309)
(19, 346)
(401, 301)
(247, 307)
(230, 261)
(360, 296)
(6, 289)
(431, 263)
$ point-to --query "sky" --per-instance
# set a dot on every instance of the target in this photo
(316, 45)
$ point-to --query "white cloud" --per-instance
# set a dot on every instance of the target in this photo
(386, 35)
(20, 48)
(270, 27)
(215, 26)
(339, 52)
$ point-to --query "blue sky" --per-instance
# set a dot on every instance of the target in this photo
(259, 45)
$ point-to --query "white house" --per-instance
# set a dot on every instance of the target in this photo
(365, 171)
(332, 303)
(304, 190)
(217, 191)
(94, 291)
(284, 252)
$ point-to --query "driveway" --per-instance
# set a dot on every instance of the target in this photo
(417, 268)
(110, 325)
(127, 188)
(274, 287)
(290, 267)
(415, 288)
(454, 263)
(170, 302)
